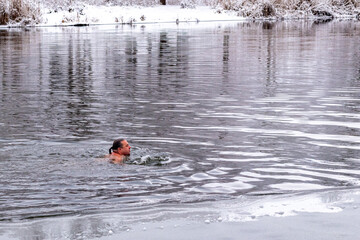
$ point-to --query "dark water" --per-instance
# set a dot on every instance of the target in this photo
(212, 112)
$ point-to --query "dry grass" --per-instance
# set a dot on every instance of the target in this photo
(19, 11)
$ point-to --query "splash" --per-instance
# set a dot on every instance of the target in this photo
(149, 158)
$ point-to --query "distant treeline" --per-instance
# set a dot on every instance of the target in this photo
(29, 11)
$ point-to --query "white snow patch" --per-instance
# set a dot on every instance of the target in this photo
(134, 15)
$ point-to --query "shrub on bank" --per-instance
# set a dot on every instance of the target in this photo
(19, 11)
(290, 8)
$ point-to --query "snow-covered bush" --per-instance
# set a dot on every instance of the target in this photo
(187, 4)
(290, 8)
(19, 11)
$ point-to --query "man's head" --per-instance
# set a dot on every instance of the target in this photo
(121, 146)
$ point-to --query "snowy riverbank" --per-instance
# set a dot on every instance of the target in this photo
(82, 13)
(89, 14)
(134, 15)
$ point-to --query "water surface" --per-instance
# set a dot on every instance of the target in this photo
(213, 112)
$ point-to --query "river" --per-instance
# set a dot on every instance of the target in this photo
(213, 112)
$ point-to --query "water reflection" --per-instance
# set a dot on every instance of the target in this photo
(239, 109)
(225, 53)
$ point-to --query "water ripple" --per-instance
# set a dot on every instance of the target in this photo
(283, 120)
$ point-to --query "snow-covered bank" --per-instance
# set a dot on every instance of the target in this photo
(133, 15)
(106, 14)
(33, 12)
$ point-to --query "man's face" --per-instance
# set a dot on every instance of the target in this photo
(125, 150)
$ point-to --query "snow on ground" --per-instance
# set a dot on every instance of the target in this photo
(82, 13)
(136, 15)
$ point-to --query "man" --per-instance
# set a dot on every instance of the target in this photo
(119, 151)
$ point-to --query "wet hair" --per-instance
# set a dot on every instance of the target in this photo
(116, 144)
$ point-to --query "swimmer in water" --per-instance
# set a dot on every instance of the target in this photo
(119, 151)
